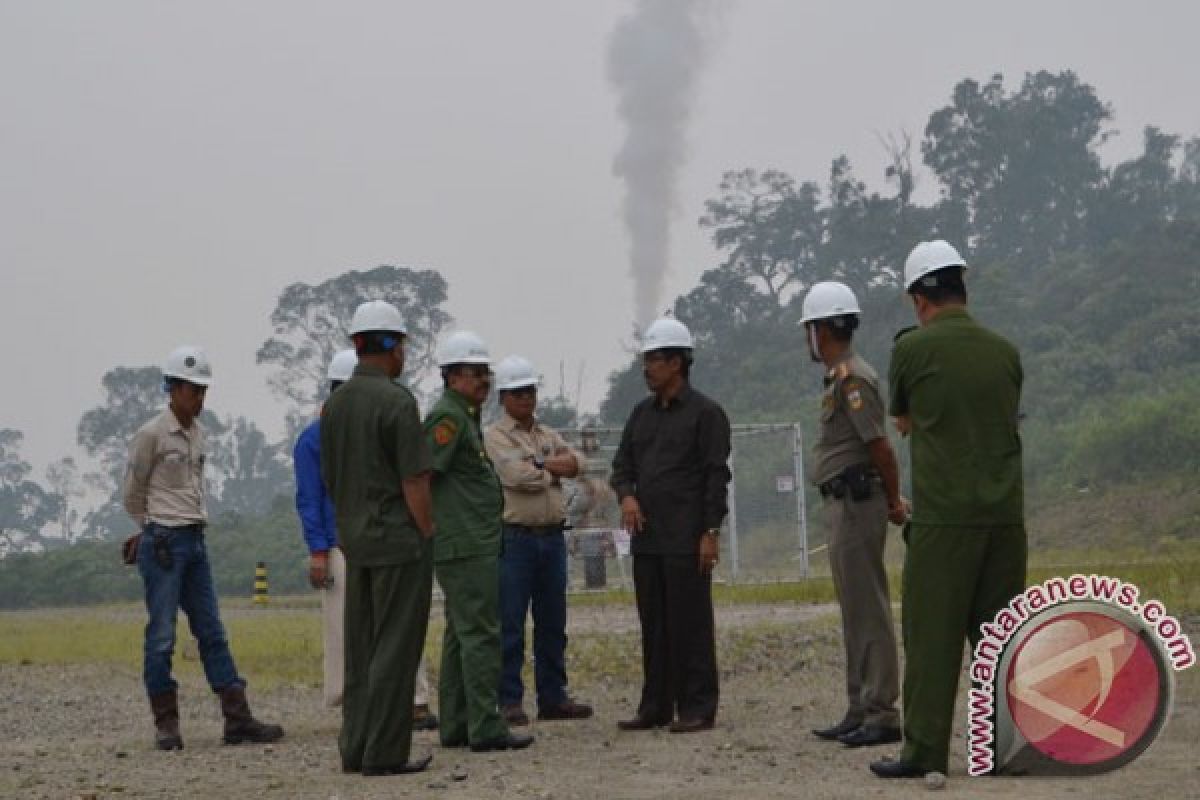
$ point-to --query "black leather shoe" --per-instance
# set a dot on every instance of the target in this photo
(691, 725)
(419, 765)
(640, 723)
(831, 733)
(454, 743)
(897, 769)
(513, 741)
(424, 719)
(870, 735)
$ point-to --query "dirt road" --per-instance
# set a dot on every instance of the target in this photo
(84, 732)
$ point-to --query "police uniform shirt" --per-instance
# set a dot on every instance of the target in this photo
(852, 416)
(164, 480)
(467, 499)
(532, 496)
(371, 440)
(960, 386)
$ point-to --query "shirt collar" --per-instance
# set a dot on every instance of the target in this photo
(831, 373)
(369, 371)
(507, 423)
(462, 402)
(954, 312)
(680, 399)
(173, 423)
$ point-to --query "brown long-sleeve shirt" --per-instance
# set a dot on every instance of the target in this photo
(532, 496)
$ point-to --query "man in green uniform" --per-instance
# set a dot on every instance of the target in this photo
(858, 478)
(375, 463)
(956, 387)
(468, 503)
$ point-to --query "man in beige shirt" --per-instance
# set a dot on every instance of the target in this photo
(531, 460)
(164, 493)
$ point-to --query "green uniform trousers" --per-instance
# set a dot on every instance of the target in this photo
(858, 532)
(387, 614)
(470, 674)
(955, 579)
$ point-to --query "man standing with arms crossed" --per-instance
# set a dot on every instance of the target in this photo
(326, 564)
(467, 506)
(671, 474)
(164, 493)
(531, 460)
(376, 466)
(858, 478)
(956, 386)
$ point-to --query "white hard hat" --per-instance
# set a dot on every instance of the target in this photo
(188, 363)
(377, 315)
(341, 366)
(828, 299)
(514, 372)
(929, 257)
(463, 347)
(664, 333)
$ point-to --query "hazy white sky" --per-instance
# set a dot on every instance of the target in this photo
(168, 168)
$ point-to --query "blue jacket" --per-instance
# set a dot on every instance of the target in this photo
(312, 501)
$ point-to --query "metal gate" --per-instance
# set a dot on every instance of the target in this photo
(764, 538)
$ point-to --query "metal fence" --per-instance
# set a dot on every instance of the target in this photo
(764, 538)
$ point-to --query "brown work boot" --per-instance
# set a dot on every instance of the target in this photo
(166, 721)
(514, 715)
(240, 724)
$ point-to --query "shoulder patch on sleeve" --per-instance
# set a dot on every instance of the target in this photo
(853, 392)
(444, 432)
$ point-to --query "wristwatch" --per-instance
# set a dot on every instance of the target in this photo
(714, 532)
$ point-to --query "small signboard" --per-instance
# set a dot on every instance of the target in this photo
(785, 484)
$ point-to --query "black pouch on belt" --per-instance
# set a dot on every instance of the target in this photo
(858, 481)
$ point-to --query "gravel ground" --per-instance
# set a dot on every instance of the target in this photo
(80, 732)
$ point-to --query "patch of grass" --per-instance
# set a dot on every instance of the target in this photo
(814, 590)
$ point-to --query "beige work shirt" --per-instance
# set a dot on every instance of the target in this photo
(532, 496)
(164, 480)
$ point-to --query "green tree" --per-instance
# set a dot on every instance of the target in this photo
(1020, 167)
(310, 324)
(26, 508)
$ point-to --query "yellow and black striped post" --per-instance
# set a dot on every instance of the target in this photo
(260, 583)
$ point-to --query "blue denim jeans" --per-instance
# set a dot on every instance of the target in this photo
(186, 586)
(533, 569)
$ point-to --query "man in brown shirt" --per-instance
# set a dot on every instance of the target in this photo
(164, 493)
(531, 460)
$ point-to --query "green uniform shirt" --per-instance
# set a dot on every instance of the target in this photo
(371, 440)
(467, 498)
(851, 416)
(960, 385)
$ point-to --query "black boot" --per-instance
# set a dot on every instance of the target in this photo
(240, 724)
(166, 721)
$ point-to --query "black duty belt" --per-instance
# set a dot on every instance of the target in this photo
(838, 485)
(534, 530)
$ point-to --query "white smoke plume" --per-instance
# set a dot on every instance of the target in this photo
(655, 54)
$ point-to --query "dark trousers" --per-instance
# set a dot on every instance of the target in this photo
(955, 579)
(679, 658)
(387, 613)
(533, 570)
(186, 586)
(470, 673)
